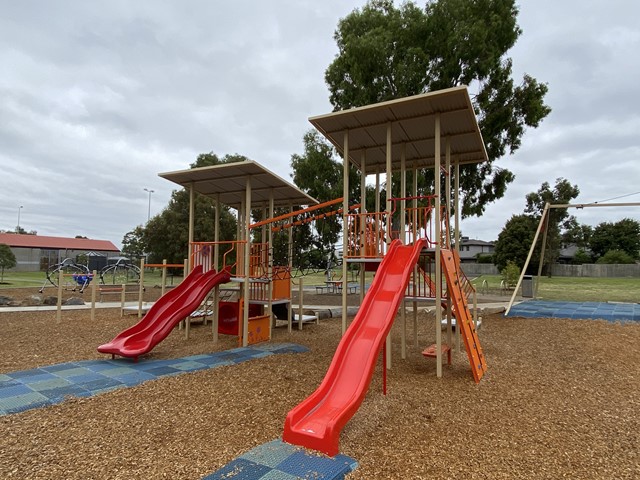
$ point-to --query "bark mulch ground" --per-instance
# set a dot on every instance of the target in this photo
(560, 399)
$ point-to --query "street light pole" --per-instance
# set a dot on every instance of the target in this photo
(149, 210)
(18, 227)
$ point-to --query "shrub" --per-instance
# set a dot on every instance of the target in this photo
(581, 257)
(7, 259)
(616, 257)
(480, 258)
(510, 274)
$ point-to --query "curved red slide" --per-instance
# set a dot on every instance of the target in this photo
(316, 423)
(165, 314)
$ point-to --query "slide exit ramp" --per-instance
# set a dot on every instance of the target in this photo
(165, 314)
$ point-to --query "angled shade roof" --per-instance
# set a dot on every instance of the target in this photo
(229, 181)
(412, 124)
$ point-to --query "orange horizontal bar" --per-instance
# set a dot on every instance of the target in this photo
(314, 217)
(293, 214)
(161, 265)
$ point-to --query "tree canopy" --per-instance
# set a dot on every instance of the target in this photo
(133, 243)
(319, 174)
(622, 236)
(7, 259)
(514, 242)
(166, 235)
(517, 235)
(559, 219)
(387, 52)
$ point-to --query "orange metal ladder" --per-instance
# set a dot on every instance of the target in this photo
(463, 316)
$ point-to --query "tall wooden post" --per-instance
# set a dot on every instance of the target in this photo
(403, 237)
(363, 211)
(456, 207)
(192, 196)
(345, 226)
(389, 210)
(447, 183)
(247, 261)
(438, 239)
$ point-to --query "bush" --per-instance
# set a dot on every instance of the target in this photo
(616, 257)
(510, 274)
(480, 258)
(581, 257)
(7, 259)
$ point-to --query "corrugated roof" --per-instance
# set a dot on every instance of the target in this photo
(56, 243)
(229, 180)
(413, 125)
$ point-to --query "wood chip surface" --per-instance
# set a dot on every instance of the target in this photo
(561, 399)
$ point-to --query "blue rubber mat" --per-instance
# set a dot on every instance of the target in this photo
(279, 460)
(613, 312)
(27, 389)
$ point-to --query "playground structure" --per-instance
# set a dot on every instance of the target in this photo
(409, 244)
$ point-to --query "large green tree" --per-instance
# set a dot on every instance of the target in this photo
(7, 259)
(133, 243)
(166, 236)
(623, 236)
(514, 242)
(575, 233)
(320, 174)
(560, 220)
(387, 52)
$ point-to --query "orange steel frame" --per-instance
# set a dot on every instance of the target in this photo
(293, 214)
(366, 232)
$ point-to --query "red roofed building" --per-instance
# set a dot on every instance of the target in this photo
(36, 252)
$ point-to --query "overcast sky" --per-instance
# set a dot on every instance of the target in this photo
(97, 98)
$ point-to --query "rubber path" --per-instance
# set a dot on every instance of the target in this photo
(612, 312)
(39, 387)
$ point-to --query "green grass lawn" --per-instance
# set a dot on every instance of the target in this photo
(36, 279)
(577, 289)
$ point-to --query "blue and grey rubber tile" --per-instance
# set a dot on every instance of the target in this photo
(281, 461)
(39, 387)
(612, 312)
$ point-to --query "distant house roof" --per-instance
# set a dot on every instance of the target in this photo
(471, 241)
(56, 243)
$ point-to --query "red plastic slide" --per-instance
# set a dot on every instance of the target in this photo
(165, 314)
(316, 423)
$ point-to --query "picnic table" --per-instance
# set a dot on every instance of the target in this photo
(335, 286)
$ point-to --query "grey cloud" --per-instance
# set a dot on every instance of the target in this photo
(96, 98)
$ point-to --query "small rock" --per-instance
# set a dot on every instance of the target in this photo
(50, 300)
(73, 301)
(32, 301)
(5, 300)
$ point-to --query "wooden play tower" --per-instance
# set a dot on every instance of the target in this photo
(436, 131)
(243, 186)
